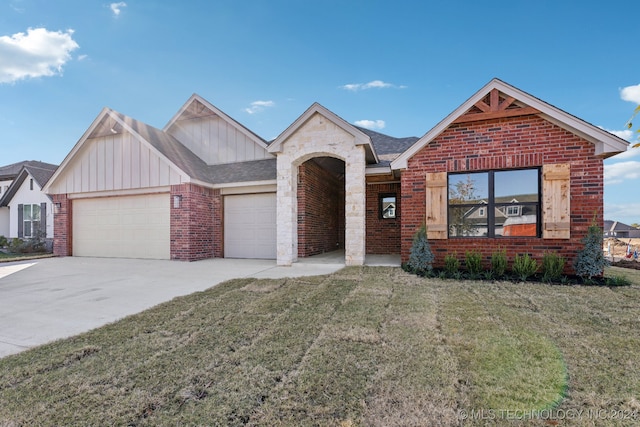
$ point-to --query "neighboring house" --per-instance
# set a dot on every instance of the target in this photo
(620, 230)
(24, 208)
(205, 186)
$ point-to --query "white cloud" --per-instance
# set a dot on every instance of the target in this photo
(116, 8)
(626, 134)
(627, 213)
(375, 84)
(619, 172)
(257, 106)
(631, 94)
(626, 155)
(370, 124)
(38, 53)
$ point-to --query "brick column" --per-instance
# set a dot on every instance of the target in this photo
(62, 225)
(196, 224)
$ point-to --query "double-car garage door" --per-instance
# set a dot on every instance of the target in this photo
(139, 226)
(122, 227)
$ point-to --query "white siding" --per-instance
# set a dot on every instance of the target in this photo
(115, 162)
(26, 196)
(216, 141)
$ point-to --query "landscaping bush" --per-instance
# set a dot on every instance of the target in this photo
(473, 264)
(552, 267)
(3, 242)
(524, 267)
(590, 261)
(499, 264)
(421, 258)
(452, 266)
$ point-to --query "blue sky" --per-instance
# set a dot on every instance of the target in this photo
(396, 67)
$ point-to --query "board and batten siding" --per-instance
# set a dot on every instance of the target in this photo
(115, 162)
(216, 141)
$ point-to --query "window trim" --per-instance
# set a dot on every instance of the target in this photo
(381, 197)
(491, 205)
(30, 219)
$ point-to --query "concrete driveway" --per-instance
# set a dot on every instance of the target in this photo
(44, 300)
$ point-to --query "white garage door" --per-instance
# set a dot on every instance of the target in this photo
(250, 226)
(122, 227)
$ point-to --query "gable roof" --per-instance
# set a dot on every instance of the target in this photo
(39, 174)
(361, 138)
(196, 106)
(172, 151)
(606, 143)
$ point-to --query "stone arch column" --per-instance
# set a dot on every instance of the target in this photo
(317, 138)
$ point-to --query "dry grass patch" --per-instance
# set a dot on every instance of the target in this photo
(364, 346)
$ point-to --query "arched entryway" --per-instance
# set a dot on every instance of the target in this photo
(320, 203)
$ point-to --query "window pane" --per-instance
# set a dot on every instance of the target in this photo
(467, 222)
(468, 188)
(520, 226)
(27, 229)
(388, 207)
(26, 212)
(35, 212)
(516, 186)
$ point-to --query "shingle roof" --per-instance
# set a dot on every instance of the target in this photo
(11, 171)
(40, 173)
(388, 147)
(194, 166)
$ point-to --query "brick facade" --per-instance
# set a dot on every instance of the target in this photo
(383, 235)
(62, 225)
(196, 225)
(320, 210)
(520, 142)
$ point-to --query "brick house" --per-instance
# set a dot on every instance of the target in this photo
(504, 170)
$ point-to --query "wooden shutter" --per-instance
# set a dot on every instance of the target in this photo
(43, 219)
(20, 221)
(556, 201)
(436, 213)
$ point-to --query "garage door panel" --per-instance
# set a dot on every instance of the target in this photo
(122, 227)
(250, 226)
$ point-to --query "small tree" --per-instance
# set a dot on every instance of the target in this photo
(421, 258)
(590, 261)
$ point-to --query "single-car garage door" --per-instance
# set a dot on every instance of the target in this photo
(250, 226)
(122, 227)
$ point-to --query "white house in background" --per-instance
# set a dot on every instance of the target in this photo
(24, 208)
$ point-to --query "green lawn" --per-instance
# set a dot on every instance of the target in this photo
(365, 346)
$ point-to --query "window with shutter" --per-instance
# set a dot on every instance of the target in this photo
(436, 213)
(556, 201)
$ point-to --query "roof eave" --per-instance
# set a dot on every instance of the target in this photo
(606, 144)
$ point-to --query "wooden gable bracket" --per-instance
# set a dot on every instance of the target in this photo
(496, 109)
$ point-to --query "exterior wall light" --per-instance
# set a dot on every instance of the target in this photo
(177, 201)
(57, 207)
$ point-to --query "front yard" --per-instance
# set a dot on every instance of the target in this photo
(364, 346)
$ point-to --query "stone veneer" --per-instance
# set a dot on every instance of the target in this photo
(320, 137)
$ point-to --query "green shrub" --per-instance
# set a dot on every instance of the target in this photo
(473, 264)
(590, 261)
(524, 267)
(452, 266)
(499, 263)
(15, 244)
(421, 258)
(552, 267)
(3, 242)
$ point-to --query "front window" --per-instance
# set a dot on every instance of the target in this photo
(494, 203)
(31, 220)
